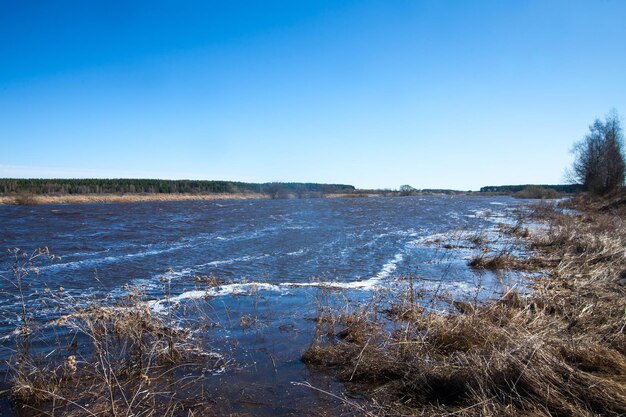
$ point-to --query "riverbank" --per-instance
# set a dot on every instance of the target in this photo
(558, 350)
(38, 199)
(32, 199)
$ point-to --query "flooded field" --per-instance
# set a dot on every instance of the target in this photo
(245, 279)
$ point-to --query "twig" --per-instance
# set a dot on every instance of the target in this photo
(342, 399)
(359, 359)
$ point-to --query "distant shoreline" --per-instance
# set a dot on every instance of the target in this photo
(34, 199)
(42, 199)
(33, 191)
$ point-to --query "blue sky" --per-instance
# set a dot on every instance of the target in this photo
(451, 94)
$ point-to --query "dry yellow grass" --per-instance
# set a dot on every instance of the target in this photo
(127, 364)
(558, 351)
(121, 198)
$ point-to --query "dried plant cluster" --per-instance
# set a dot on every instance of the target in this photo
(107, 358)
(559, 350)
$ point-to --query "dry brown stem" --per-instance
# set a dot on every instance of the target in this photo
(558, 351)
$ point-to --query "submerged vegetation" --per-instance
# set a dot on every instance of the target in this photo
(107, 358)
(557, 351)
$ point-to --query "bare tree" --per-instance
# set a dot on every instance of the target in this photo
(599, 164)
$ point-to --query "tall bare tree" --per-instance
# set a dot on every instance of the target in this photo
(599, 163)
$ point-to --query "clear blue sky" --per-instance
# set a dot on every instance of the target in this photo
(454, 94)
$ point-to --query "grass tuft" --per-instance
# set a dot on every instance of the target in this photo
(108, 358)
(558, 351)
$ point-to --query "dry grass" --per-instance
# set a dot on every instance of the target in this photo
(537, 191)
(130, 366)
(109, 359)
(31, 199)
(24, 199)
(504, 260)
(559, 351)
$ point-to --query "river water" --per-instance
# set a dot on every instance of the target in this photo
(285, 251)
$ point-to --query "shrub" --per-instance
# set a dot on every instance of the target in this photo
(536, 191)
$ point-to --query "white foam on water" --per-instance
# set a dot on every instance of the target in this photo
(390, 266)
(15, 332)
(367, 284)
(88, 253)
(455, 286)
(408, 233)
(252, 287)
(185, 272)
(222, 290)
(245, 258)
(113, 259)
(453, 215)
(198, 240)
(436, 238)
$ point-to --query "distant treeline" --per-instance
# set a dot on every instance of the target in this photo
(440, 191)
(114, 186)
(510, 189)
